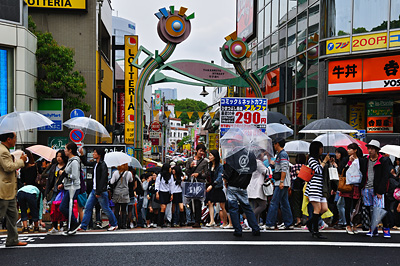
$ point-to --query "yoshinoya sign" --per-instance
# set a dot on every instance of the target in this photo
(58, 4)
(243, 111)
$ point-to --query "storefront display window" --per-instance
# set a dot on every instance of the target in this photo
(370, 15)
(395, 14)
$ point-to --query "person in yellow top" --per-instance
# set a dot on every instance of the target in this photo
(8, 187)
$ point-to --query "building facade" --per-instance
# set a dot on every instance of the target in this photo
(168, 93)
(18, 69)
(331, 58)
(87, 29)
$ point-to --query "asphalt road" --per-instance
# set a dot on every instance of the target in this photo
(202, 247)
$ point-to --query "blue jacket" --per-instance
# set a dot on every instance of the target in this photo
(217, 181)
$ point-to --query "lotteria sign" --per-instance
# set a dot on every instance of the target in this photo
(58, 4)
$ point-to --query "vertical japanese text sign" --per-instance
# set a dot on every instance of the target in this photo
(131, 77)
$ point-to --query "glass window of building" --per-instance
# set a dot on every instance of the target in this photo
(289, 111)
(291, 80)
(260, 22)
(302, 29)
(370, 15)
(292, 8)
(274, 48)
(282, 44)
(260, 4)
(260, 55)
(338, 17)
(313, 25)
(312, 71)
(253, 58)
(300, 76)
(283, 11)
(291, 38)
(267, 21)
(267, 51)
(275, 14)
(312, 108)
(395, 14)
(301, 5)
(300, 114)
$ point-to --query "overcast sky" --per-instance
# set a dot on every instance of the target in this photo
(214, 19)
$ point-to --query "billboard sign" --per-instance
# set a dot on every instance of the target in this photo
(53, 110)
(58, 4)
(131, 77)
(245, 19)
(243, 111)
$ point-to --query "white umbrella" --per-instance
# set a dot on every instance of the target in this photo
(22, 121)
(87, 125)
(276, 130)
(391, 150)
(135, 163)
(297, 146)
(117, 158)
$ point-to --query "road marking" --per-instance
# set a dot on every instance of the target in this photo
(217, 243)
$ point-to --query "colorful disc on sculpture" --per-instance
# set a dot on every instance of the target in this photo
(175, 26)
(238, 49)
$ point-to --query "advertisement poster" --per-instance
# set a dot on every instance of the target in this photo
(245, 22)
(380, 116)
(243, 111)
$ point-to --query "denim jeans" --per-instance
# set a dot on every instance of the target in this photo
(140, 220)
(104, 203)
(340, 207)
(236, 195)
(26, 200)
(281, 198)
(64, 208)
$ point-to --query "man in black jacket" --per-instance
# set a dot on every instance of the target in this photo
(375, 171)
(99, 192)
(237, 193)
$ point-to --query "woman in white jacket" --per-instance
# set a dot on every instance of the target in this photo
(257, 198)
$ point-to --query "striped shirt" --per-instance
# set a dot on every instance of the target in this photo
(315, 186)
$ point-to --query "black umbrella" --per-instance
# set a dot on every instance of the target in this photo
(155, 169)
(243, 161)
(275, 117)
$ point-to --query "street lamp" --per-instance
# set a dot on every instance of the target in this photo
(204, 93)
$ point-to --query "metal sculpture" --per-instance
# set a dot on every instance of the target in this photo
(173, 28)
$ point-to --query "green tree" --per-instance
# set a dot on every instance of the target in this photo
(56, 75)
(188, 105)
(185, 140)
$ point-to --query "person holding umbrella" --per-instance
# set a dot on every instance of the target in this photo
(71, 185)
(375, 172)
(8, 185)
(314, 189)
(99, 192)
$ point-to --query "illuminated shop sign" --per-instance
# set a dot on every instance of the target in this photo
(357, 76)
(363, 42)
(245, 19)
(58, 4)
(3, 82)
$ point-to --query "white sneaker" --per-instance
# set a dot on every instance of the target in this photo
(151, 225)
(228, 227)
(112, 228)
(53, 231)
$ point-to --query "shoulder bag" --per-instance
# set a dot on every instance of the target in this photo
(306, 173)
(343, 187)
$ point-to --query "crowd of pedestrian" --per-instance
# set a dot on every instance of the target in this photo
(344, 192)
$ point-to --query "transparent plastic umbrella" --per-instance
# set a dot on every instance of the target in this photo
(279, 131)
(87, 125)
(377, 216)
(71, 205)
(297, 146)
(22, 121)
(338, 139)
(117, 158)
(250, 137)
(393, 150)
(135, 163)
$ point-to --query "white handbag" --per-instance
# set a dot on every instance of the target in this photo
(353, 174)
(333, 174)
(268, 188)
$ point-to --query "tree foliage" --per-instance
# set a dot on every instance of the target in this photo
(56, 75)
(188, 105)
(185, 140)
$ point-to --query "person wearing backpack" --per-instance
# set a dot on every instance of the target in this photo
(99, 192)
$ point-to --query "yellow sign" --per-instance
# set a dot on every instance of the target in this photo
(131, 77)
(178, 114)
(62, 4)
(213, 141)
(363, 42)
(167, 113)
(231, 91)
(357, 115)
(190, 114)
